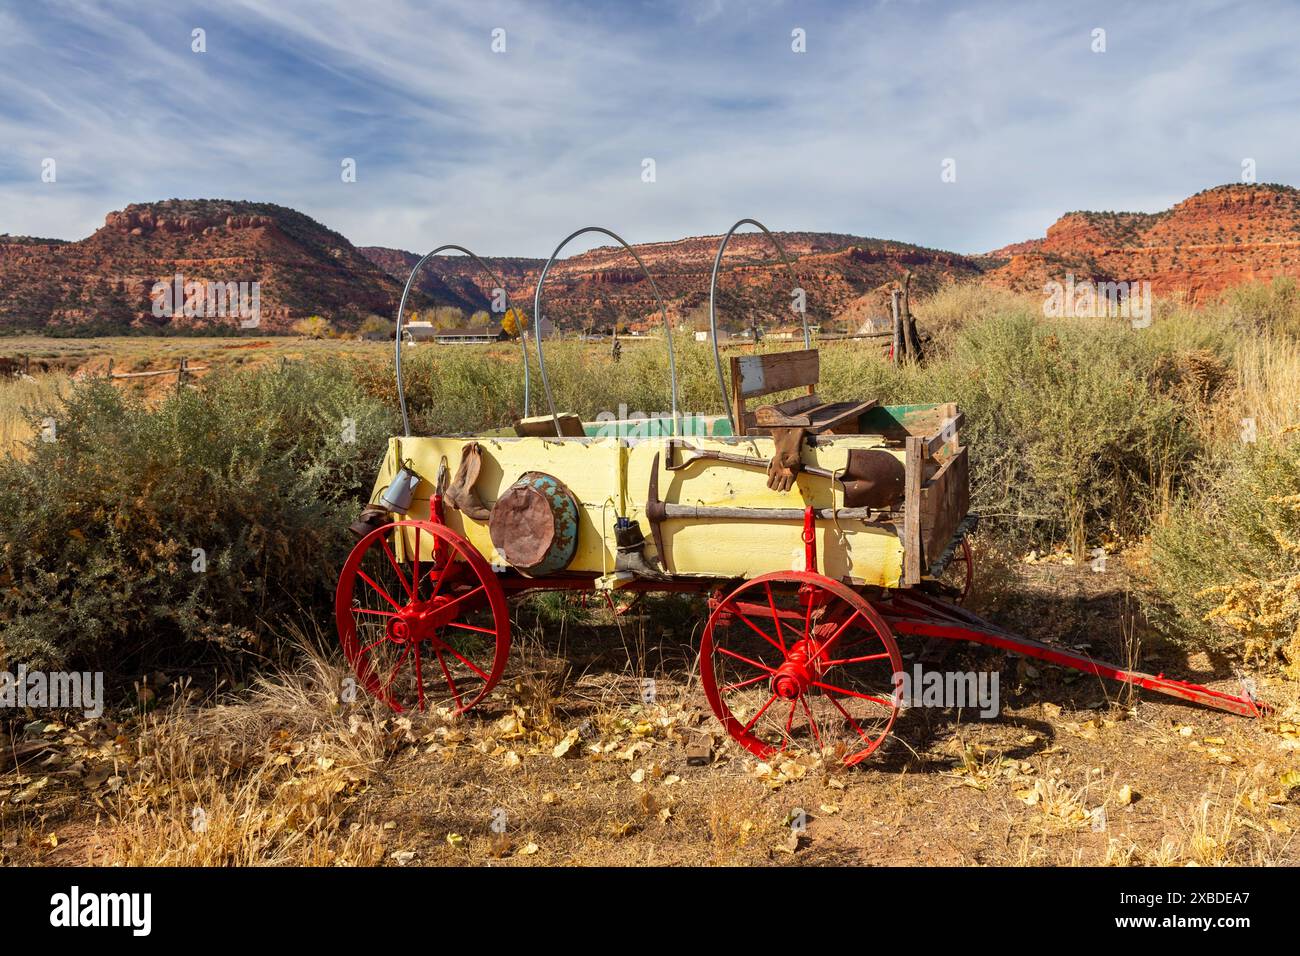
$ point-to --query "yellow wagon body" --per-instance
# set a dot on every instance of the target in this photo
(610, 477)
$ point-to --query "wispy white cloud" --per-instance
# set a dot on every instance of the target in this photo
(508, 152)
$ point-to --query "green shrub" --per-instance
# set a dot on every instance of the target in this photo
(98, 528)
(1225, 567)
(1070, 431)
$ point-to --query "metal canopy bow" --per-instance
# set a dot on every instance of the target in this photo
(401, 309)
(713, 315)
(537, 320)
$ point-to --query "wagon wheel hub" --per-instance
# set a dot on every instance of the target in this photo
(793, 678)
(422, 621)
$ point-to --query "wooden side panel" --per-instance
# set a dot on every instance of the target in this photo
(896, 422)
(945, 499)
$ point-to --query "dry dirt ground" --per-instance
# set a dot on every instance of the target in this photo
(568, 765)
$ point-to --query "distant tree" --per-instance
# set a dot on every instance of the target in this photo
(374, 325)
(313, 327)
(512, 322)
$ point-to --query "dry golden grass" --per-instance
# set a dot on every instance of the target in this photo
(266, 780)
(19, 397)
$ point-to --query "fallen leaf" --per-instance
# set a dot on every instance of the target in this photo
(566, 745)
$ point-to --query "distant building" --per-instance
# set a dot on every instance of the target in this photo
(418, 331)
(723, 336)
(475, 335)
(479, 335)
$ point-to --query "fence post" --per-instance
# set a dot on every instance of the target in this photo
(109, 373)
(898, 326)
(180, 374)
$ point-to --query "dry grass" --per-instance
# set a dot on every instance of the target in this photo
(20, 398)
(266, 780)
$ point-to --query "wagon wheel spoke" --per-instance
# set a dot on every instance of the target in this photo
(849, 717)
(398, 666)
(812, 721)
(415, 567)
(447, 674)
(836, 636)
(752, 663)
(379, 590)
(745, 683)
(776, 618)
(857, 660)
(468, 663)
(761, 711)
(853, 693)
(419, 677)
(392, 559)
(789, 726)
(759, 631)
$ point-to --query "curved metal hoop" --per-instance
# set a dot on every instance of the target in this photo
(537, 320)
(713, 315)
(401, 308)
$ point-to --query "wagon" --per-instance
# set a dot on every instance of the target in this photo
(821, 532)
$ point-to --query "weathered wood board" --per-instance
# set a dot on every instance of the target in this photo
(944, 502)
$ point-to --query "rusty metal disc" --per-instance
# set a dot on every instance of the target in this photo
(534, 524)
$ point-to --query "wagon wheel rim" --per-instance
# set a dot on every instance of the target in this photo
(422, 634)
(797, 661)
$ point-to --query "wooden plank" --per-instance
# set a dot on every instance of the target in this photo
(775, 372)
(946, 435)
(912, 555)
(816, 417)
(945, 499)
(543, 426)
(782, 413)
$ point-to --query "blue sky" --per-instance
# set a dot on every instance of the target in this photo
(508, 152)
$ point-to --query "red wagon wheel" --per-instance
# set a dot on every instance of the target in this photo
(422, 634)
(960, 572)
(794, 659)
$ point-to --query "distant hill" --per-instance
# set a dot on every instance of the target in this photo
(597, 288)
(1202, 245)
(102, 284)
